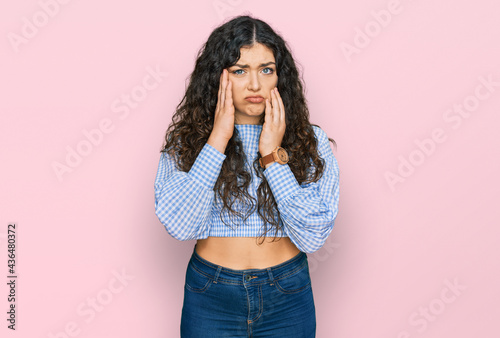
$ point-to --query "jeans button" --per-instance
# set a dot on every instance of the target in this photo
(247, 277)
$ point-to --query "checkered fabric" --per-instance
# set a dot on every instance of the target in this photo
(187, 205)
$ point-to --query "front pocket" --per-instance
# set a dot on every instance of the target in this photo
(295, 282)
(197, 281)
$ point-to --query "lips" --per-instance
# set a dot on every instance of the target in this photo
(254, 99)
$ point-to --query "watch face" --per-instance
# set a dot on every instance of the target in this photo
(283, 155)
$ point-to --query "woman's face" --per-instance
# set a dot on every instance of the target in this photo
(253, 75)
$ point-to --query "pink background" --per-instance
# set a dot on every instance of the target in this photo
(418, 258)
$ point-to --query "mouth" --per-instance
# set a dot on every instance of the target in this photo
(254, 99)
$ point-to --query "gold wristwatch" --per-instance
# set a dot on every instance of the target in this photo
(278, 155)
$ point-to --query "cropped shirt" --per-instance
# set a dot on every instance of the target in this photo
(189, 208)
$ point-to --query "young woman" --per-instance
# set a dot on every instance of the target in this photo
(245, 173)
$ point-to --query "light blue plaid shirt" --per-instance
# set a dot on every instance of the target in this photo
(187, 205)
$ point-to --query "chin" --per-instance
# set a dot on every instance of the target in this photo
(259, 108)
(252, 111)
(255, 114)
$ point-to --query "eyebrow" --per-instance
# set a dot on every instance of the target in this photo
(261, 65)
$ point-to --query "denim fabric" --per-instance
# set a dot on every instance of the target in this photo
(273, 302)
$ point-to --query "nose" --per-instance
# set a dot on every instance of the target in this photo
(254, 83)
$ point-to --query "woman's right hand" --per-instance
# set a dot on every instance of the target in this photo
(224, 115)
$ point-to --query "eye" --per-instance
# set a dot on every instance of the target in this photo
(237, 70)
(271, 70)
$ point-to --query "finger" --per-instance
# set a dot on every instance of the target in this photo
(276, 108)
(282, 106)
(223, 95)
(271, 106)
(229, 94)
(219, 94)
(267, 115)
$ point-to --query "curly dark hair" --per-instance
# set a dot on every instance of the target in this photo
(193, 120)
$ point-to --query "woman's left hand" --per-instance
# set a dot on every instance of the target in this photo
(274, 124)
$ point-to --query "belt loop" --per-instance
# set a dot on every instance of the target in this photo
(217, 273)
(270, 273)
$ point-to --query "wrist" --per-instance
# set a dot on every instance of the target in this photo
(266, 150)
(217, 143)
(278, 154)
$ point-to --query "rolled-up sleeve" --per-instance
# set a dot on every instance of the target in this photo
(183, 200)
(307, 212)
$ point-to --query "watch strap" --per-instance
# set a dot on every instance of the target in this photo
(274, 156)
(267, 159)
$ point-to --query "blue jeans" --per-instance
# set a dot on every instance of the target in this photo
(273, 302)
